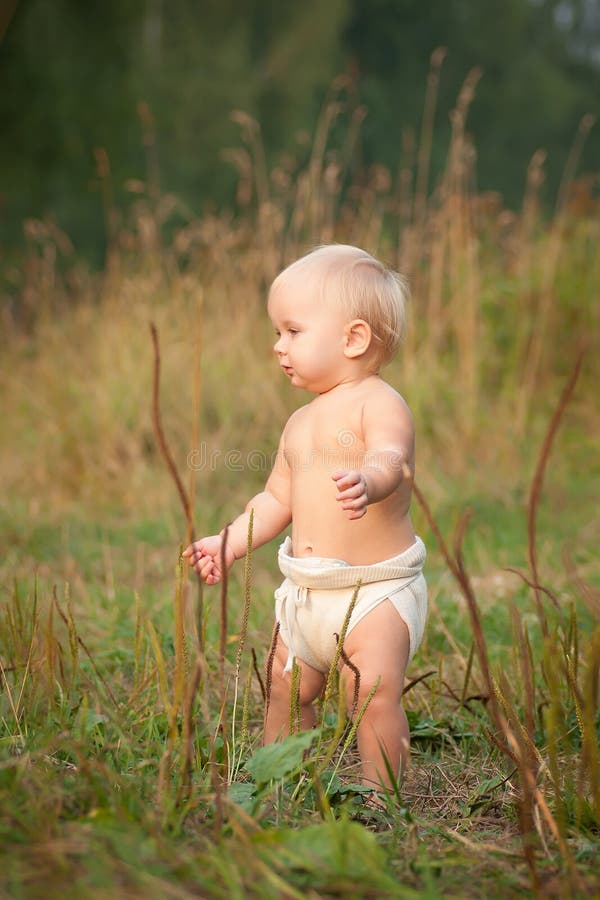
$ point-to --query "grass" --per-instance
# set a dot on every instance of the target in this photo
(130, 720)
(81, 772)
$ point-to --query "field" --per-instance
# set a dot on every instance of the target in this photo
(131, 705)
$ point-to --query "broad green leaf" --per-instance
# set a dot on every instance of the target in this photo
(243, 794)
(336, 855)
(278, 760)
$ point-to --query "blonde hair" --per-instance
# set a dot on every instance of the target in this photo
(363, 287)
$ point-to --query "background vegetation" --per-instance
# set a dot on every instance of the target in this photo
(131, 714)
(79, 79)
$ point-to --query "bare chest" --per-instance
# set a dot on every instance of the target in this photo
(325, 438)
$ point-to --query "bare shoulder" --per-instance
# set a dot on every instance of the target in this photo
(298, 419)
(382, 401)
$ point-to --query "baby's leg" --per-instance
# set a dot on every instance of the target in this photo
(378, 647)
(277, 720)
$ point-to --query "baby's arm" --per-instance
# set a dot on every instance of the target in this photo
(389, 438)
(272, 513)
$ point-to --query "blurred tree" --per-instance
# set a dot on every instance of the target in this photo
(541, 74)
(73, 76)
(65, 74)
(198, 62)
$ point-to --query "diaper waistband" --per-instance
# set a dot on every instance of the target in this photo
(329, 574)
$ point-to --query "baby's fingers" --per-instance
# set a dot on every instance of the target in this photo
(351, 493)
(195, 551)
(356, 513)
(355, 505)
(205, 567)
(213, 579)
(207, 570)
(212, 572)
(345, 480)
(195, 557)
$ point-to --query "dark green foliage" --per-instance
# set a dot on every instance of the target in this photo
(74, 75)
(538, 79)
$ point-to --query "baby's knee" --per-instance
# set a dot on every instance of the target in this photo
(278, 684)
(310, 688)
(372, 689)
(281, 683)
(281, 690)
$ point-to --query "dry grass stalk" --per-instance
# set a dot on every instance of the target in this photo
(223, 616)
(170, 462)
(246, 709)
(510, 745)
(75, 640)
(535, 587)
(218, 783)
(589, 594)
(352, 731)
(182, 699)
(30, 649)
(13, 705)
(556, 245)
(247, 596)
(468, 670)
(259, 678)
(185, 784)
(196, 408)
(269, 666)
(179, 673)
(415, 681)
(588, 775)
(525, 658)
(52, 648)
(161, 669)
(160, 435)
(537, 483)
(518, 739)
(326, 753)
(295, 679)
(426, 139)
(137, 638)
(356, 672)
(244, 623)
(333, 668)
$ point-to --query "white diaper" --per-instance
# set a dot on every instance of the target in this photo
(313, 600)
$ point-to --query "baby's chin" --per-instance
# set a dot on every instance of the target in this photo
(304, 385)
(313, 385)
(299, 382)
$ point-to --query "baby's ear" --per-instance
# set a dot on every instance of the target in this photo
(357, 338)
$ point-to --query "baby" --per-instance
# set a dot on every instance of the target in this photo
(342, 478)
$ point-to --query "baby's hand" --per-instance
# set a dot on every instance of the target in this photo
(352, 493)
(205, 557)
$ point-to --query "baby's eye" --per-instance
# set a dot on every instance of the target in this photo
(293, 331)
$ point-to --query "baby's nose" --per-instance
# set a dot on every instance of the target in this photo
(278, 346)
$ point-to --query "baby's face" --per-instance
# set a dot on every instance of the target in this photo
(310, 335)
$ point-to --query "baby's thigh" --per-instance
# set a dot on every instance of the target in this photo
(311, 681)
(378, 646)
